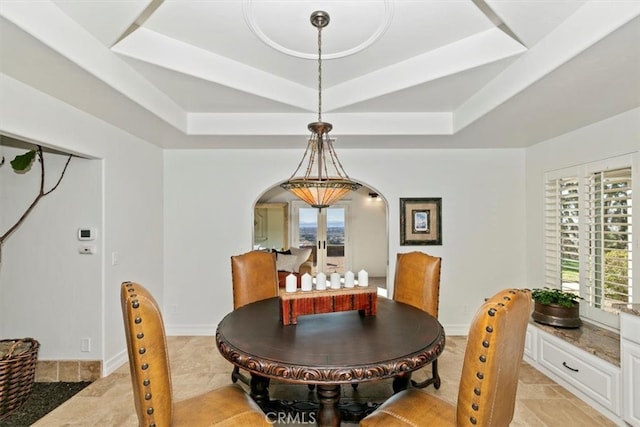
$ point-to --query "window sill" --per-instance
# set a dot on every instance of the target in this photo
(595, 340)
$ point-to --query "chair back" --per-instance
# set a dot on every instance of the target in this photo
(417, 281)
(148, 357)
(255, 277)
(492, 360)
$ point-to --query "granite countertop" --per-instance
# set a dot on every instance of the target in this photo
(595, 340)
(628, 308)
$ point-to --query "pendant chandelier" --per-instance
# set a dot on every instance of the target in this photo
(324, 181)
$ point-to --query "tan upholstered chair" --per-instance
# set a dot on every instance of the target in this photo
(487, 391)
(417, 283)
(255, 277)
(151, 376)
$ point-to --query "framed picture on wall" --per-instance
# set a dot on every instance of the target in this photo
(421, 221)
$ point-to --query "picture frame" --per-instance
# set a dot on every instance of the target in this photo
(421, 221)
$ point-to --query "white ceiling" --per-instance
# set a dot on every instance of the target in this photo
(401, 74)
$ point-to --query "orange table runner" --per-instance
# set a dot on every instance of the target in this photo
(294, 304)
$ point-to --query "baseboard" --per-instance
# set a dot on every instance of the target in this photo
(190, 330)
(456, 330)
(115, 362)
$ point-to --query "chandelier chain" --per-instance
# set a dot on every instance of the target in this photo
(319, 73)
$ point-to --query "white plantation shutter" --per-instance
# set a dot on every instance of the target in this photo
(562, 228)
(608, 215)
(588, 238)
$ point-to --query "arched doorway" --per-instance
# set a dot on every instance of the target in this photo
(352, 235)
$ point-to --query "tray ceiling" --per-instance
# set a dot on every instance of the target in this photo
(396, 74)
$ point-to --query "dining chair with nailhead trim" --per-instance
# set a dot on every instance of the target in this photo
(254, 277)
(417, 283)
(489, 381)
(151, 376)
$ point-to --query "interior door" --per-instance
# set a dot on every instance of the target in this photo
(325, 231)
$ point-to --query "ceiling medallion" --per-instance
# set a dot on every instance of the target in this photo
(253, 19)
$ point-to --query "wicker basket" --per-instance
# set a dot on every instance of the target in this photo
(18, 359)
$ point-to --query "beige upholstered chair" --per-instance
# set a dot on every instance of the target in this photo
(255, 277)
(487, 391)
(151, 376)
(417, 283)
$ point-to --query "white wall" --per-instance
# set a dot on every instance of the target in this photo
(41, 257)
(368, 235)
(609, 138)
(60, 301)
(209, 197)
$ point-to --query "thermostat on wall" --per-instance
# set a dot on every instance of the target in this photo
(86, 233)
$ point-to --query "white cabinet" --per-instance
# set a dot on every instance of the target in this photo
(595, 378)
(630, 360)
(530, 345)
(591, 378)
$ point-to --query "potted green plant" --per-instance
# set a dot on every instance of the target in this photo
(556, 307)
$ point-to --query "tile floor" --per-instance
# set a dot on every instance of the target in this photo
(197, 366)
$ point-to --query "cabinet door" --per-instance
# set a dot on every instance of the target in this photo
(631, 382)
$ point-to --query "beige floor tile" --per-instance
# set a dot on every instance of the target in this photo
(197, 366)
(562, 412)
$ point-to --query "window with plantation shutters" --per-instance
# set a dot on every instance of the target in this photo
(562, 233)
(588, 235)
(609, 243)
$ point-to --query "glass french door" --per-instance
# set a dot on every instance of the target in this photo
(325, 231)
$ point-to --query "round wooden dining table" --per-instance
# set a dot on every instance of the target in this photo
(327, 350)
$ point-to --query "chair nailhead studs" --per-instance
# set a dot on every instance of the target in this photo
(145, 366)
(140, 335)
(480, 375)
(485, 344)
(474, 406)
(473, 420)
(152, 425)
(146, 382)
(150, 410)
(135, 303)
(483, 358)
(147, 396)
(476, 391)
(492, 312)
(142, 350)
(138, 320)
(489, 328)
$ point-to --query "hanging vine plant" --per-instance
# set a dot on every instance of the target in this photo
(21, 164)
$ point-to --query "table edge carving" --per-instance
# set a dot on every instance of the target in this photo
(342, 375)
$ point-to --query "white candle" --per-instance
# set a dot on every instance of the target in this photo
(363, 278)
(291, 283)
(349, 279)
(306, 282)
(335, 280)
(321, 281)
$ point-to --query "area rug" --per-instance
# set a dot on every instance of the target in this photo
(44, 398)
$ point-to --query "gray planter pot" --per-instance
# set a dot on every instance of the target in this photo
(557, 315)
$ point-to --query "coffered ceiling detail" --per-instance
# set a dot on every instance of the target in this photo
(396, 74)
